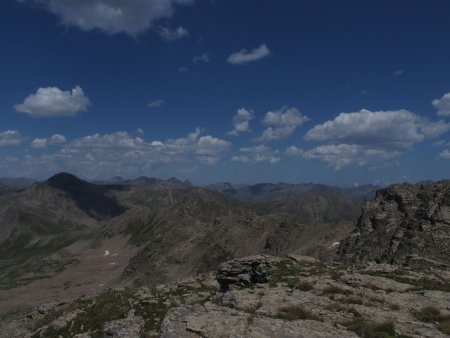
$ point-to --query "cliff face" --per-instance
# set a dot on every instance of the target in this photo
(404, 224)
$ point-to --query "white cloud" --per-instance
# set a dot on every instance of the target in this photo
(282, 123)
(257, 154)
(244, 56)
(51, 101)
(445, 154)
(156, 103)
(241, 122)
(112, 16)
(293, 151)
(398, 72)
(201, 58)
(39, 143)
(173, 35)
(209, 148)
(342, 155)
(183, 69)
(399, 129)
(367, 138)
(120, 153)
(10, 138)
(443, 105)
(55, 140)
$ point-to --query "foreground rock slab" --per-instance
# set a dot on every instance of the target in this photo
(295, 297)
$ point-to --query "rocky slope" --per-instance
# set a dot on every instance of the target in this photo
(404, 224)
(257, 296)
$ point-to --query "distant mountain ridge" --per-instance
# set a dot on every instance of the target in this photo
(17, 182)
(148, 182)
(263, 192)
(151, 231)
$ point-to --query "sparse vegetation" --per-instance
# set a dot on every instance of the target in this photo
(431, 314)
(351, 300)
(333, 289)
(423, 283)
(296, 312)
(368, 329)
(301, 285)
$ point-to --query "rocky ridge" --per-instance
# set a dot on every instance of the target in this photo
(298, 297)
(404, 224)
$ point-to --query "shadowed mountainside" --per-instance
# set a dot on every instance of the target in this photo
(90, 198)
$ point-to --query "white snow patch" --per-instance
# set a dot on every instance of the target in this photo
(106, 253)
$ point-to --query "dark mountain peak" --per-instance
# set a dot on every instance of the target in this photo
(63, 180)
(90, 198)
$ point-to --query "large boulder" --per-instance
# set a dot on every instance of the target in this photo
(241, 272)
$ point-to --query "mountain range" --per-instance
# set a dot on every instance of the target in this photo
(59, 231)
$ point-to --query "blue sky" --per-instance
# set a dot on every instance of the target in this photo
(241, 91)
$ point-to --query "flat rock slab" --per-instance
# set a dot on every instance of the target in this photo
(187, 322)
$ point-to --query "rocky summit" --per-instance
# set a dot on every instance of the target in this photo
(403, 224)
(258, 296)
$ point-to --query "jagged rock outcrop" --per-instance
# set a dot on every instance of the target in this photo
(403, 224)
(245, 271)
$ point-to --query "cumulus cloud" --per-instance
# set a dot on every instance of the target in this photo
(51, 102)
(121, 153)
(156, 103)
(201, 58)
(281, 123)
(342, 155)
(10, 138)
(241, 122)
(395, 129)
(257, 154)
(39, 143)
(293, 151)
(55, 140)
(209, 148)
(112, 16)
(368, 138)
(443, 105)
(445, 154)
(244, 56)
(173, 35)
